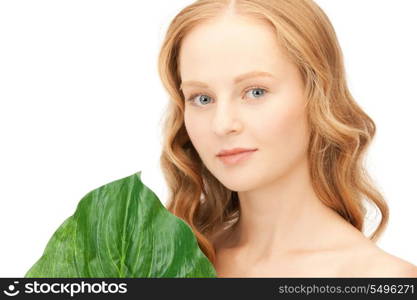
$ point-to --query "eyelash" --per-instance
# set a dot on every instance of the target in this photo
(189, 99)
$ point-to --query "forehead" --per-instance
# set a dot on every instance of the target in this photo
(228, 46)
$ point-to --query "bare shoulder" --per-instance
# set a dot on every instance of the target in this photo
(384, 264)
(359, 256)
(371, 261)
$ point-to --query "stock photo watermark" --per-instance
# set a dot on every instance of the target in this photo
(72, 289)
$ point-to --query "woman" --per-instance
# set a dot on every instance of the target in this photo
(264, 82)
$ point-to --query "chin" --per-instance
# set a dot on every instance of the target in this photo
(238, 183)
(236, 179)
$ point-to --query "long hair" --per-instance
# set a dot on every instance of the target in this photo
(340, 130)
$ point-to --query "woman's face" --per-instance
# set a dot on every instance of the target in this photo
(226, 109)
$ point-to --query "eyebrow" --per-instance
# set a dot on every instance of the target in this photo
(236, 80)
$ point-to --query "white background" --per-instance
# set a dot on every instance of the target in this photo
(81, 105)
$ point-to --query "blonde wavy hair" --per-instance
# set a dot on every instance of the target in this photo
(340, 130)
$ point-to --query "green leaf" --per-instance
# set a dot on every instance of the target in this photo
(121, 229)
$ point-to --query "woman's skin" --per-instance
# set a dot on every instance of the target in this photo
(284, 229)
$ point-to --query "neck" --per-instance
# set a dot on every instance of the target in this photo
(283, 216)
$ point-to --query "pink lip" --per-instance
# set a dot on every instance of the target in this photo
(233, 151)
(235, 158)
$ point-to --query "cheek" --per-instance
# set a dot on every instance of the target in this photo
(284, 128)
(195, 130)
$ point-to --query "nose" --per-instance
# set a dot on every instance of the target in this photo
(225, 120)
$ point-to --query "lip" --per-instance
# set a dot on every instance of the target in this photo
(234, 151)
(232, 159)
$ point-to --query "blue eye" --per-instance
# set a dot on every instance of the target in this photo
(201, 96)
(258, 92)
(263, 91)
